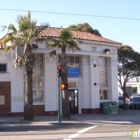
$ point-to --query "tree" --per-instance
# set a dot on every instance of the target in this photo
(85, 27)
(65, 41)
(128, 67)
(27, 33)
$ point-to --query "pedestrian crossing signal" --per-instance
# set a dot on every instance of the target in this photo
(64, 86)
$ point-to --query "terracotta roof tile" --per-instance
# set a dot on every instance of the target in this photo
(55, 32)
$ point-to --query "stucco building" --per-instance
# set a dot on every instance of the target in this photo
(92, 77)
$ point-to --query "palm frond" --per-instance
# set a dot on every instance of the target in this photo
(40, 28)
(65, 35)
(49, 38)
(29, 15)
(18, 62)
(55, 43)
(52, 53)
(44, 25)
(11, 28)
(24, 21)
(73, 45)
(65, 41)
(6, 48)
(6, 39)
(3, 28)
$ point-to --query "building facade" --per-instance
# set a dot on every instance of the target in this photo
(133, 86)
(92, 77)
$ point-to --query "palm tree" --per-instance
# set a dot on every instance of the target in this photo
(28, 32)
(65, 41)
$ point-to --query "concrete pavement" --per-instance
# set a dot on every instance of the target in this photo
(124, 116)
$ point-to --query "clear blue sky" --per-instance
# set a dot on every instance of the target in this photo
(121, 30)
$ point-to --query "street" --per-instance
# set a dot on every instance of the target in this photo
(68, 131)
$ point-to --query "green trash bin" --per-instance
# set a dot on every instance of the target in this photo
(110, 108)
(114, 107)
(105, 107)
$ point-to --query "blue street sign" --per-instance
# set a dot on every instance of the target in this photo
(73, 72)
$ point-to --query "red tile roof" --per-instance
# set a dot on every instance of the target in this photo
(55, 32)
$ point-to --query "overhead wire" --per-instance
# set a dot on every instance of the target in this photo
(71, 14)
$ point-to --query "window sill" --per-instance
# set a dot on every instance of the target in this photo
(38, 103)
(105, 100)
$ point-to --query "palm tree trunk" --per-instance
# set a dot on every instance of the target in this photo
(28, 95)
(64, 79)
(65, 100)
(28, 106)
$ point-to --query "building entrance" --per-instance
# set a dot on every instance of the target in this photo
(73, 101)
(5, 98)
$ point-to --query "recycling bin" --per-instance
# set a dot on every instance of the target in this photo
(105, 107)
(114, 107)
(110, 107)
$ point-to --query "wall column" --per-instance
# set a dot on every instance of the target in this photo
(86, 96)
(113, 79)
(17, 87)
(94, 78)
(51, 87)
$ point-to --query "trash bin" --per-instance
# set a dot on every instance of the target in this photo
(105, 107)
(110, 108)
(114, 107)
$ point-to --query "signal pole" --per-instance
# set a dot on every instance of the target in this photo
(59, 68)
(59, 120)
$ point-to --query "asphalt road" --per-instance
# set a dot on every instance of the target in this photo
(66, 131)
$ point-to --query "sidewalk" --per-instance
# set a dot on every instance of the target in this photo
(124, 116)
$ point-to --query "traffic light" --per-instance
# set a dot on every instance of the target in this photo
(59, 68)
(64, 86)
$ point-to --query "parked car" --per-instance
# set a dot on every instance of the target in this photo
(121, 101)
(134, 102)
(134, 95)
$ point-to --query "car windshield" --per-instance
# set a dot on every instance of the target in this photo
(136, 99)
(121, 98)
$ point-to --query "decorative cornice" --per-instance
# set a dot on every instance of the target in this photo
(100, 44)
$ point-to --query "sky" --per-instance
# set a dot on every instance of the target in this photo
(118, 20)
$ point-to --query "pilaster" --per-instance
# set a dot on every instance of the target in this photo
(51, 86)
(113, 79)
(94, 78)
(86, 96)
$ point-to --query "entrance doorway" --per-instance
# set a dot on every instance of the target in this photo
(5, 98)
(73, 101)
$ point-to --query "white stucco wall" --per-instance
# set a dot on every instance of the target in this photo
(17, 90)
(113, 79)
(86, 96)
(94, 78)
(5, 59)
(51, 85)
(16, 79)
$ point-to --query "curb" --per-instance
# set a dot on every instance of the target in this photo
(82, 122)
